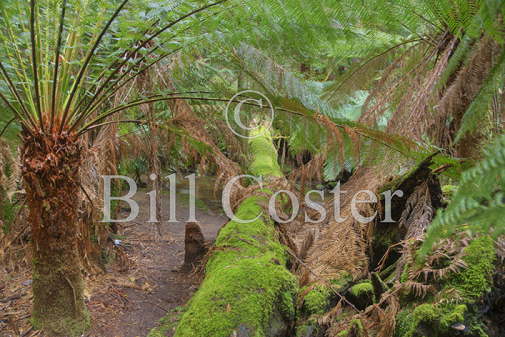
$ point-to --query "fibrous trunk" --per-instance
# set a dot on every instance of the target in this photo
(51, 178)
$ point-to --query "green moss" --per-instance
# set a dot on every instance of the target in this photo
(453, 314)
(478, 330)
(407, 320)
(358, 326)
(247, 285)
(471, 283)
(424, 313)
(302, 330)
(341, 281)
(167, 323)
(403, 323)
(475, 280)
(317, 301)
(362, 288)
(264, 154)
(287, 304)
(64, 327)
(343, 333)
(246, 280)
(309, 328)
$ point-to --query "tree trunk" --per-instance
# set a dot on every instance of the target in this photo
(194, 246)
(154, 164)
(51, 177)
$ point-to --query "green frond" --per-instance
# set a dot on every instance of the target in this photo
(479, 203)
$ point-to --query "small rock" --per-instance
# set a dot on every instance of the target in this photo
(27, 282)
(458, 326)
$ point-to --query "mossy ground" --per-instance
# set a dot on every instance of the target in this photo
(470, 284)
(167, 323)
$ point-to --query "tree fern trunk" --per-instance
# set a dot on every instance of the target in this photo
(51, 178)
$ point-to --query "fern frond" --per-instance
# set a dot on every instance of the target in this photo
(480, 106)
(479, 203)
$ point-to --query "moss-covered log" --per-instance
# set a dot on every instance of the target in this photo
(247, 290)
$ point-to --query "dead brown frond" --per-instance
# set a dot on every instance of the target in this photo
(378, 320)
(185, 118)
(417, 288)
(382, 95)
(10, 172)
(344, 245)
(101, 158)
(459, 93)
(309, 172)
(446, 259)
(412, 115)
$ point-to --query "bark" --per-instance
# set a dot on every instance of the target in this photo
(194, 246)
(51, 177)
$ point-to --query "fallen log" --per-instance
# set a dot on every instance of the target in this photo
(247, 289)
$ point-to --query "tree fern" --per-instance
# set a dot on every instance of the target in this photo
(479, 203)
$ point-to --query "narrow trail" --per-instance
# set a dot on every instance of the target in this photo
(146, 283)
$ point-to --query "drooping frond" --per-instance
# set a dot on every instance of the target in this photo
(51, 82)
(479, 203)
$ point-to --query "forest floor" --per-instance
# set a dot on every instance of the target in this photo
(141, 286)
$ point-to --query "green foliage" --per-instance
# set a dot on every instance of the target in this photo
(63, 61)
(9, 211)
(479, 203)
(476, 279)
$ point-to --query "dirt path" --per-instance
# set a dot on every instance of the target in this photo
(131, 298)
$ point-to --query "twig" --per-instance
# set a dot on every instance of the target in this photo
(24, 334)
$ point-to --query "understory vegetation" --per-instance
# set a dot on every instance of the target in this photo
(307, 97)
